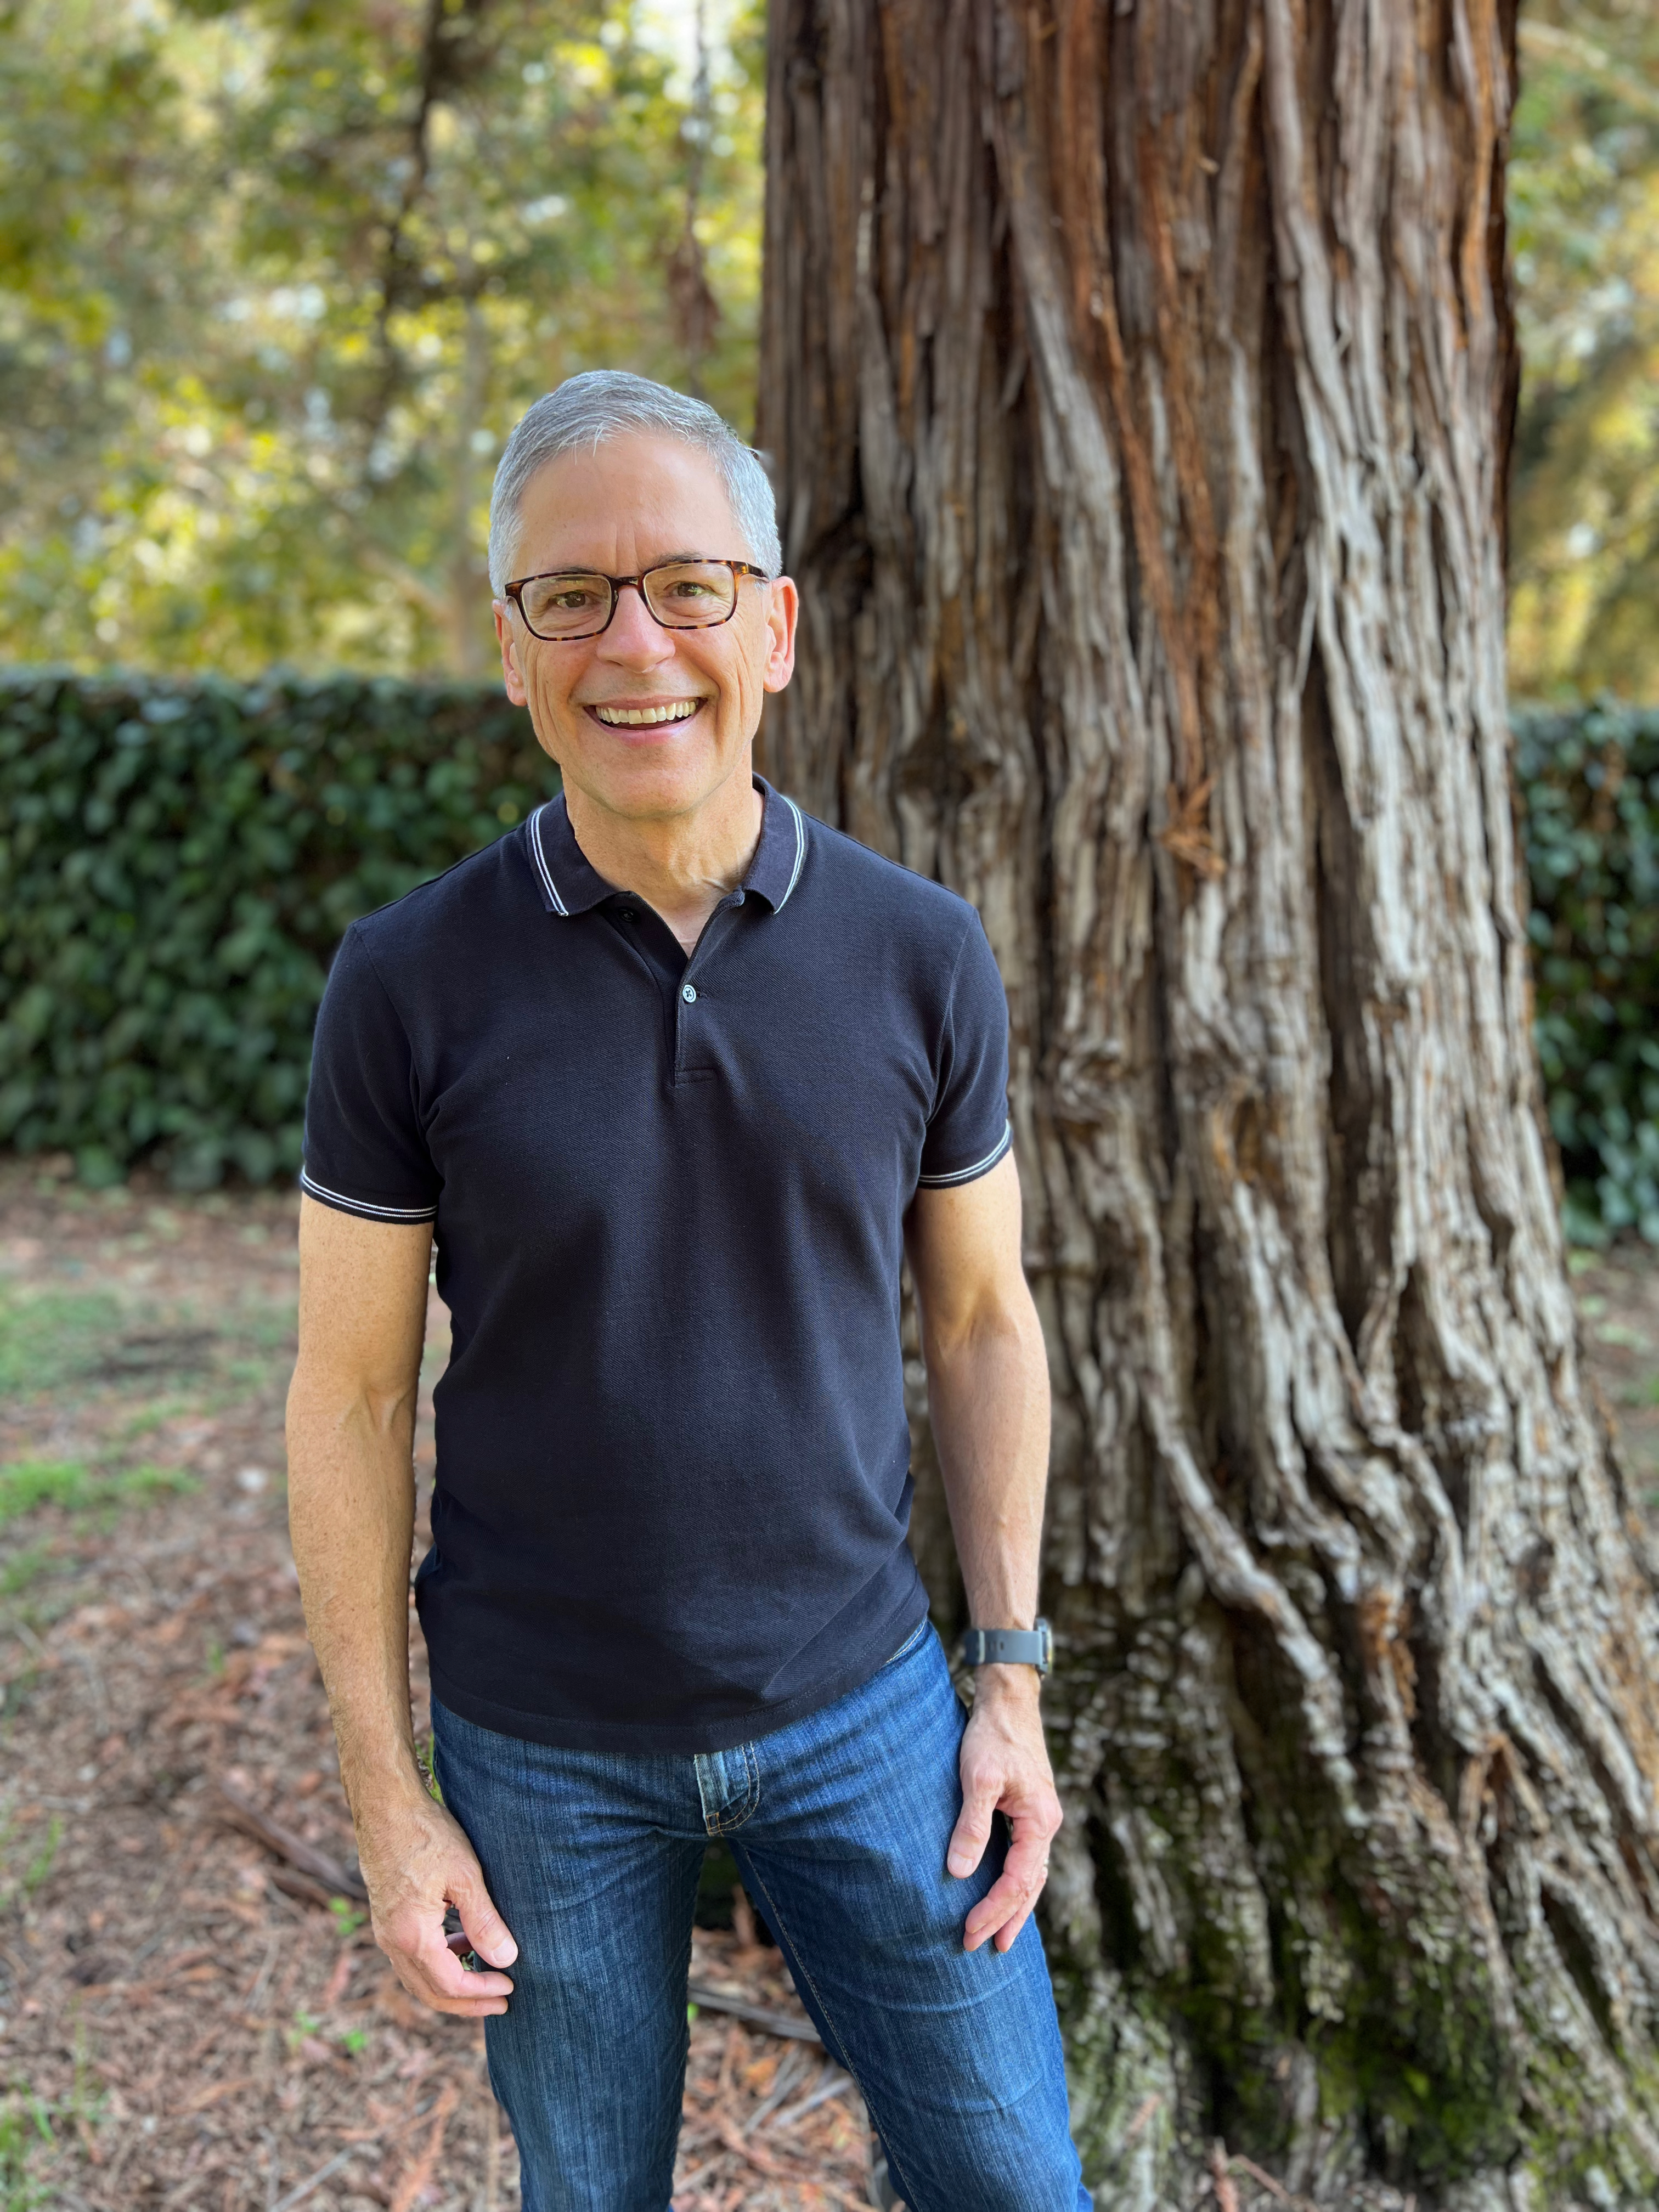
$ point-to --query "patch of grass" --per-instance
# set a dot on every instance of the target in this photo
(28, 1484)
(41, 1864)
(22, 1568)
(36, 1870)
(155, 1413)
(269, 1329)
(52, 1338)
(1622, 1335)
(136, 1483)
(24, 2122)
(346, 1917)
(1644, 1393)
(27, 2132)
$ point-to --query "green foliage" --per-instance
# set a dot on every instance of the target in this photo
(1584, 208)
(177, 864)
(1591, 781)
(274, 281)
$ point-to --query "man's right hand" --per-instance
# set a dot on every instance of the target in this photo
(416, 1862)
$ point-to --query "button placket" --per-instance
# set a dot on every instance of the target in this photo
(690, 995)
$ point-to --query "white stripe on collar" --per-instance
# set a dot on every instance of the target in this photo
(800, 850)
(537, 848)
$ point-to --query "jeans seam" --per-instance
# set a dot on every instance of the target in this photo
(795, 1948)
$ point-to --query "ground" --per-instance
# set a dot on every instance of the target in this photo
(177, 2027)
(188, 2018)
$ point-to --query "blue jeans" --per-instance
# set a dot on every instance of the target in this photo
(839, 1825)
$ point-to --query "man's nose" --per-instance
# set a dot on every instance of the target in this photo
(635, 635)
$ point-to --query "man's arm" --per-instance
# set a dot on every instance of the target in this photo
(988, 1391)
(351, 1513)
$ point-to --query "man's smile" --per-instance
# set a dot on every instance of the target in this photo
(633, 718)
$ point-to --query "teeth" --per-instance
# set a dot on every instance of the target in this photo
(676, 710)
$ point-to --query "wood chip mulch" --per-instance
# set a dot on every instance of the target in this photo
(194, 2013)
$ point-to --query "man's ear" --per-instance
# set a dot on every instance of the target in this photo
(511, 674)
(781, 616)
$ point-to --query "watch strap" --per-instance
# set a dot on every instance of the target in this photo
(1010, 1647)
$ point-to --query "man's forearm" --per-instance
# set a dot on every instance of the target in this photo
(351, 1511)
(988, 1394)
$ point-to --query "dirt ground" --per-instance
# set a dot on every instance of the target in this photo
(186, 2017)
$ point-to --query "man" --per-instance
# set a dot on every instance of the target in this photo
(677, 1075)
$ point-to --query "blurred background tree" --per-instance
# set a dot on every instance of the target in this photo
(1584, 201)
(276, 278)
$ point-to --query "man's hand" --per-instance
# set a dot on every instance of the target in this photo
(1004, 1768)
(416, 1862)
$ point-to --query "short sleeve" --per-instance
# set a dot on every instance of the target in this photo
(968, 1130)
(364, 1152)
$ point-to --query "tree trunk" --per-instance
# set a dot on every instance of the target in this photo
(1139, 380)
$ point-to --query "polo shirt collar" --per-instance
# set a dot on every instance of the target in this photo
(570, 885)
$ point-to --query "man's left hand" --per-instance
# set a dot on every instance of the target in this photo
(1005, 1769)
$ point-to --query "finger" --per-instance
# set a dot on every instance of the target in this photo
(465, 2004)
(488, 1933)
(973, 1830)
(1006, 1907)
(1002, 1913)
(462, 1996)
(430, 1969)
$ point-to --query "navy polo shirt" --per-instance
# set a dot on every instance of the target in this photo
(674, 1476)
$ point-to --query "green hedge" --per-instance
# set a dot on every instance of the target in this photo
(1590, 778)
(178, 861)
(177, 864)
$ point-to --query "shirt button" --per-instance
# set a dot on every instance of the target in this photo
(627, 914)
(689, 993)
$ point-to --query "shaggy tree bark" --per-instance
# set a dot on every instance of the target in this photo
(1139, 380)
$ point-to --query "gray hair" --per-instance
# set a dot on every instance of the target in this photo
(604, 402)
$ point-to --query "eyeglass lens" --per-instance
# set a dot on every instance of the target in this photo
(682, 595)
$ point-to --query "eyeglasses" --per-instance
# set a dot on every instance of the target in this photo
(571, 603)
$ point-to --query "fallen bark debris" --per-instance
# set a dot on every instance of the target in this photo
(336, 1880)
(776, 2169)
(709, 1999)
(1238, 2163)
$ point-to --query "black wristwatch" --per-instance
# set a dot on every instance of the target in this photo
(1010, 1647)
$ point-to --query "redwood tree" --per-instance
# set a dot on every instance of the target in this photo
(1140, 375)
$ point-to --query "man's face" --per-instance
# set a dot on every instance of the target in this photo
(634, 501)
